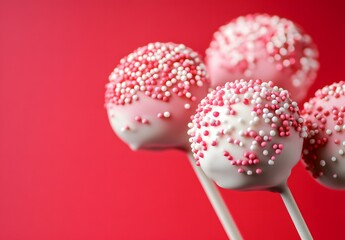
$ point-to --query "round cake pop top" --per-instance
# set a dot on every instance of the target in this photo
(247, 135)
(152, 93)
(266, 47)
(324, 148)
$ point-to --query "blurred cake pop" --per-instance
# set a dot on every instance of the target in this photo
(152, 93)
(266, 47)
(247, 135)
(324, 149)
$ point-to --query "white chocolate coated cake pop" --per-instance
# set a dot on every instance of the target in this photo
(152, 93)
(247, 135)
(260, 46)
(324, 149)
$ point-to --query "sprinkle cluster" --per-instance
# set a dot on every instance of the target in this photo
(158, 70)
(273, 117)
(285, 43)
(326, 127)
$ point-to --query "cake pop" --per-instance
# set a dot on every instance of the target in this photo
(153, 92)
(324, 148)
(150, 97)
(247, 135)
(266, 47)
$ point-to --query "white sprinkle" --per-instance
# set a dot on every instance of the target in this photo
(337, 128)
(265, 152)
(272, 133)
(341, 152)
(286, 105)
(323, 163)
(166, 114)
(150, 46)
(199, 83)
(335, 175)
(249, 172)
(328, 131)
(187, 106)
(124, 129)
(270, 162)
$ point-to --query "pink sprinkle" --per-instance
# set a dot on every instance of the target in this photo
(215, 114)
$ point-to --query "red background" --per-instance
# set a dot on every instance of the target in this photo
(63, 172)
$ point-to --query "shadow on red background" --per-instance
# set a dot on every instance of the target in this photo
(65, 175)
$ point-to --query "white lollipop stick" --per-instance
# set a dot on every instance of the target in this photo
(217, 202)
(294, 213)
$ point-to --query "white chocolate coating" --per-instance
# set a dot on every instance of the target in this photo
(153, 92)
(247, 135)
(265, 47)
(324, 149)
